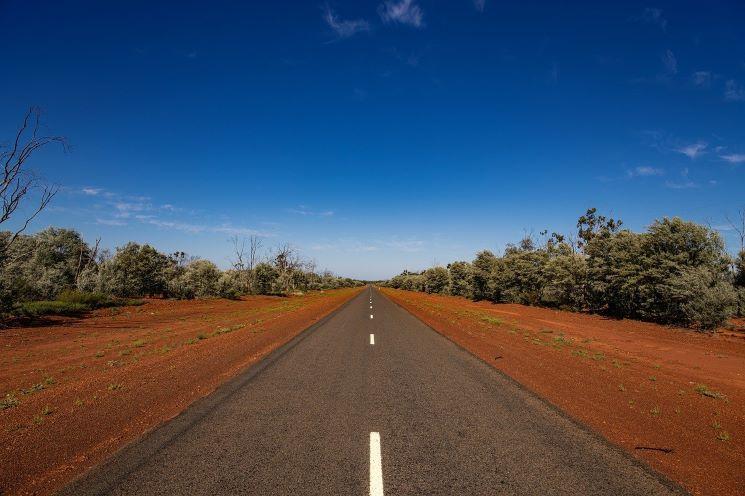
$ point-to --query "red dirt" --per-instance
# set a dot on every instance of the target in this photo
(633, 382)
(108, 378)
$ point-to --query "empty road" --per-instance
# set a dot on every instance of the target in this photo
(370, 401)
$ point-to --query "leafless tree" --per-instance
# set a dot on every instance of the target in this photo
(18, 181)
(738, 225)
(254, 246)
(239, 250)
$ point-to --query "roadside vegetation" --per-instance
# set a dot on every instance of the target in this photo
(676, 272)
(55, 271)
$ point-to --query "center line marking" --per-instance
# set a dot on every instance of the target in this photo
(376, 466)
(371, 316)
(372, 338)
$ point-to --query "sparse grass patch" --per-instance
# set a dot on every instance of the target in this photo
(723, 436)
(655, 411)
(138, 343)
(114, 387)
(492, 320)
(9, 401)
(703, 390)
(47, 410)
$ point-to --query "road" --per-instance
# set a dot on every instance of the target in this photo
(371, 401)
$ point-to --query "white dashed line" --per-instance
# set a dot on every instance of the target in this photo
(372, 338)
(371, 316)
(376, 466)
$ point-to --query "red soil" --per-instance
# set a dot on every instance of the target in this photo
(633, 382)
(104, 380)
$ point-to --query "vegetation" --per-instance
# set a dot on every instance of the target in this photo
(676, 272)
(56, 272)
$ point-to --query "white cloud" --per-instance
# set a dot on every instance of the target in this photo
(670, 62)
(303, 210)
(734, 158)
(692, 151)
(111, 222)
(733, 91)
(652, 15)
(479, 4)
(684, 183)
(200, 228)
(701, 79)
(402, 12)
(645, 171)
(91, 191)
(344, 28)
(410, 245)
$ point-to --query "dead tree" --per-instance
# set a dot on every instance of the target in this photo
(738, 225)
(18, 181)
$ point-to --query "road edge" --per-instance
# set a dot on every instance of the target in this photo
(100, 478)
(661, 478)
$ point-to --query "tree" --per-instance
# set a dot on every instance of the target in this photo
(739, 282)
(484, 267)
(436, 280)
(461, 279)
(136, 270)
(592, 225)
(17, 181)
(199, 280)
(265, 276)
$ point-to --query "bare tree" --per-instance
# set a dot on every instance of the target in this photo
(254, 246)
(738, 225)
(18, 181)
(239, 250)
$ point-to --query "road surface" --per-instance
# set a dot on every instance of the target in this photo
(371, 401)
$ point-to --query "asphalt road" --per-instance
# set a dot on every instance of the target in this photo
(331, 413)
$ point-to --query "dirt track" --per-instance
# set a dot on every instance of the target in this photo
(633, 382)
(86, 387)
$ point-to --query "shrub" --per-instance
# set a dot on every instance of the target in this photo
(135, 270)
(33, 309)
(436, 280)
(461, 279)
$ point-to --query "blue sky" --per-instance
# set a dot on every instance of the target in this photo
(382, 135)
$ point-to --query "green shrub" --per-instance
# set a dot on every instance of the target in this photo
(33, 309)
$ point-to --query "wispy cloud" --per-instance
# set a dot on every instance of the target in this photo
(480, 5)
(644, 171)
(401, 12)
(201, 228)
(702, 79)
(344, 28)
(653, 15)
(693, 151)
(111, 222)
(734, 158)
(408, 245)
(303, 210)
(117, 210)
(733, 91)
(669, 62)
(684, 182)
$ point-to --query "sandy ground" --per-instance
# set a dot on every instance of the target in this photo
(671, 397)
(83, 388)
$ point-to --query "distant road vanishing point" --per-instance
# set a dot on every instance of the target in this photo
(371, 401)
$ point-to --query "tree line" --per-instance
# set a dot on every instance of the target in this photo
(676, 272)
(55, 262)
